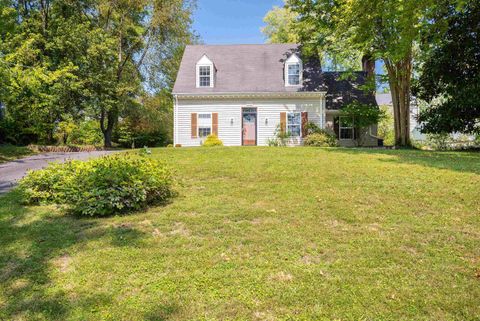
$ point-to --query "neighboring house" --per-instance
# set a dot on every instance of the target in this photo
(246, 93)
(385, 99)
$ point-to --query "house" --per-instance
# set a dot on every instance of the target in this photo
(246, 93)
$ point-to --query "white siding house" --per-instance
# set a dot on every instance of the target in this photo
(246, 93)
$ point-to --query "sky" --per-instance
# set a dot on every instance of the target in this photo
(232, 21)
(236, 22)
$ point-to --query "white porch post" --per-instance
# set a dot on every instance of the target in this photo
(323, 112)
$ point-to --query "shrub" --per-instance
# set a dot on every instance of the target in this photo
(281, 138)
(313, 128)
(86, 133)
(321, 139)
(212, 140)
(109, 185)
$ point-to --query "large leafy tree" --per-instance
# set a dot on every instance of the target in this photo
(388, 30)
(279, 25)
(85, 58)
(450, 74)
(38, 85)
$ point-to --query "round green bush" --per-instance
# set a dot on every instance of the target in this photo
(108, 185)
(321, 139)
(212, 140)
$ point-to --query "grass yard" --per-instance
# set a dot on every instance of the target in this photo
(261, 233)
(10, 152)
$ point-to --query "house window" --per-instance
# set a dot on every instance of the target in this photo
(204, 74)
(346, 128)
(204, 125)
(294, 124)
(293, 71)
(293, 74)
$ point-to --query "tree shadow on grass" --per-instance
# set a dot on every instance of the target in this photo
(36, 241)
(461, 161)
(162, 312)
(125, 235)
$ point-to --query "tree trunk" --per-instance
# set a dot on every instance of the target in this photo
(107, 123)
(399, 77)
(107, 139)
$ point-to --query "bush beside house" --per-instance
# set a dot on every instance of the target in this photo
(318, 137)
(211, 141)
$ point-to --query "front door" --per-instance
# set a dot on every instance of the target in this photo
(249, 126)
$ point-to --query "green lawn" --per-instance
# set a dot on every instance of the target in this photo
(261, 233)
(10, 152)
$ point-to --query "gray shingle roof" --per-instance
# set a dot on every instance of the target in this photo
(342, 90)
(260, 68)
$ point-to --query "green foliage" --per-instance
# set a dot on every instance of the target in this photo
(149, 123)
(450, 74)
(321, 139)
(109, 185)
(313, 128)
(76, 60)
(211, 141)
(280, 139)
(447, 141)
(385, 127)
(388, 30)
(280, 25)
(86, 133)
(362, 115)
(438, 141)
(63, 131)
(10, 152)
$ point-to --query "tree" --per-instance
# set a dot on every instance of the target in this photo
(450, 75)
(47, 78)
(149, 123)
(37, 85)
(280, 25)
(128, 33)
(386, 30)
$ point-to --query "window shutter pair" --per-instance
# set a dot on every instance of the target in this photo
(194, 124)
(283, 123)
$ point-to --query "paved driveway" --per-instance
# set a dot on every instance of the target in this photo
(11, 172)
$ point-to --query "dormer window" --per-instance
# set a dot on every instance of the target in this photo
(293, 71)
(205, 72)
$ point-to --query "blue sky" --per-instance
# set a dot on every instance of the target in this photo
(235, 21)
(231, 21)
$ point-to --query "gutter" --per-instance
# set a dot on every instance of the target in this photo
(220, 95)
